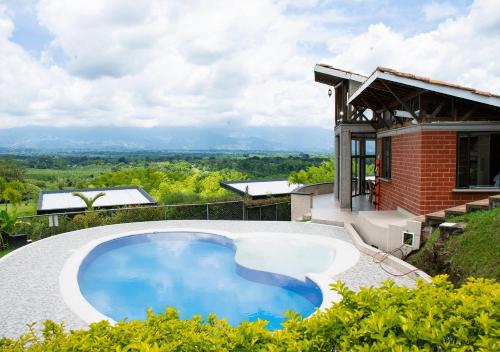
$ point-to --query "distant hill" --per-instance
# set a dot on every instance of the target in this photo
(303, 139)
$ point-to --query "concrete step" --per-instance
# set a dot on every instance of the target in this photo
(420, 218)
(452, 228)
(459, 210)
(328, 222)
(495, 201)
(483, 204)
(436, 218)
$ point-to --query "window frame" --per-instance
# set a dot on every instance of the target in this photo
(386, 163)
(468, 136)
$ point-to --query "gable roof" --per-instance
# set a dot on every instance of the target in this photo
(419, 82)
(331, 75)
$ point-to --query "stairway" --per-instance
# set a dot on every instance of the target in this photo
(438, 217)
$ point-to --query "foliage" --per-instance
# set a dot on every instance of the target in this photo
(7, 226)
(314, 174)
(7, 222)
(89, 201)
(474, 253)
(5, 251)
(431, 317)
(11, 169)
(170, 177)
(12, 192)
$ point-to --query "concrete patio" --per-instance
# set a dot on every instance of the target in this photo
(382, 229)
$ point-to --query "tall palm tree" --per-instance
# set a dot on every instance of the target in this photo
(89, 201)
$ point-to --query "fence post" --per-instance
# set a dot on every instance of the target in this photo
(166, 212)
(276, 211)
(208, 217)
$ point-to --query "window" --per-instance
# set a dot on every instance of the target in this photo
(386, 157)
(478, 160)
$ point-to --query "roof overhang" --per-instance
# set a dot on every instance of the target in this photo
(376, 90)
(332, 76)
(260, 188)
(60, 201)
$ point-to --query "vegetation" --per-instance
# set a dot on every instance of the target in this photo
(431, 317)
(171, 178)
(325, 172)
(89, 201)
(7, 227)
(476, 252)
(5, 251)
(314, 174)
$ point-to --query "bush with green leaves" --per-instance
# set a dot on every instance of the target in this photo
(431, 317)
(314, 174)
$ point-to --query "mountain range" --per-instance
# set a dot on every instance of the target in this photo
(110, 138)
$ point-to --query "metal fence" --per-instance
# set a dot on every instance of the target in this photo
(40, 226)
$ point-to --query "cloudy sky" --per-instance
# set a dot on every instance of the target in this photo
(150, 63)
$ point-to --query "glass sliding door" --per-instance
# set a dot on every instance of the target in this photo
(363, 163)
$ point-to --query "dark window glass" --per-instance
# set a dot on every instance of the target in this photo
(386, 157)
(478, 160)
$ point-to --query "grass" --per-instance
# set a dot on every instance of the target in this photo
(5, 251)
(476, 252)
(24, 209)
(78, 172)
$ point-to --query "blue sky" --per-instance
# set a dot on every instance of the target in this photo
(148, 62)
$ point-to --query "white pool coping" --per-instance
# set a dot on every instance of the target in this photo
(346, 256)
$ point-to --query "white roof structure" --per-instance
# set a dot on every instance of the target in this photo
(64, 201)
(263, 188)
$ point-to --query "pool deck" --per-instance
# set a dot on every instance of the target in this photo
(29, 277)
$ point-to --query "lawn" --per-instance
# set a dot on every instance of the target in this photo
(5, 251)
(474, 253)
(79, 172)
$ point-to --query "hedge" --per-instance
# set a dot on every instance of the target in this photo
(431, 317)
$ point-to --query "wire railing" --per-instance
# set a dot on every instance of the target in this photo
(41, 226)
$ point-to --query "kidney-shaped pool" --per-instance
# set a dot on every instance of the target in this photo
(194, 272)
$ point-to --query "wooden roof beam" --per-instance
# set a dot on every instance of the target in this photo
(400, 101)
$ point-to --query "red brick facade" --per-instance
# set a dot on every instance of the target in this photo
(423, 173)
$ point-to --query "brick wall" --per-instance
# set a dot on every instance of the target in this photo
(423, 173)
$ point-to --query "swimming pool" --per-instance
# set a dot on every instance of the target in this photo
(194, 272)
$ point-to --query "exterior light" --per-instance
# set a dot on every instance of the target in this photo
(329, 92)
(341, 113)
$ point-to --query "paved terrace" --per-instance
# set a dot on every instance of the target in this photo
(29, 277)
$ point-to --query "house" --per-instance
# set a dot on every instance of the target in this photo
(259, 189)
(435, 145)
(63, 201)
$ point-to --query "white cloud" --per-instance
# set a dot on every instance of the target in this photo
(464, 50)
(151, 62)
(438, 10)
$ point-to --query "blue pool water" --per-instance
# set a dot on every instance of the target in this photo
(193, 272)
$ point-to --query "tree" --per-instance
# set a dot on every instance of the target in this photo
(11, 169)
(7, 225)
(89, 201)
(3, 183)
(314, 174)
(12, 194)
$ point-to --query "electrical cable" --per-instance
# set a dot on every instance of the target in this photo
(386, 255)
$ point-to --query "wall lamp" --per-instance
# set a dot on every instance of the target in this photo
(329, 92)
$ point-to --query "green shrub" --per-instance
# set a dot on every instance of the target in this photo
(431, 317)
